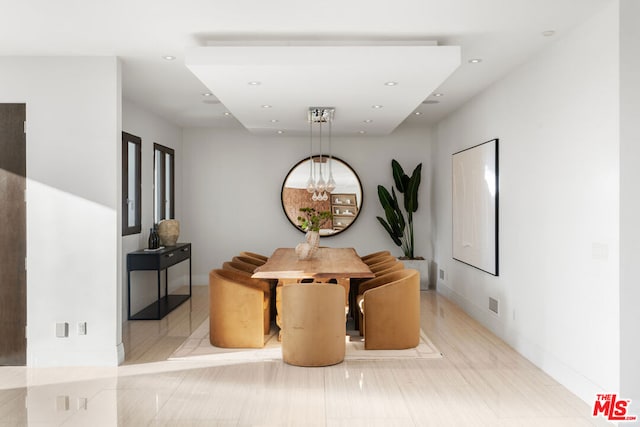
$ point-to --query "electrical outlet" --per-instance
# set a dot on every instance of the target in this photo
(62, 330)
(441, 274)
(82, 328)
(62, 403)
(82, 403)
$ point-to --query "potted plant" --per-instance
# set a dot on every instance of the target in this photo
(310, 221)
(399, 224)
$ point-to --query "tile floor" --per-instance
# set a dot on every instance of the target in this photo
(480, 382)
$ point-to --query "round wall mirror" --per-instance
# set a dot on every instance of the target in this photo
(344, 202)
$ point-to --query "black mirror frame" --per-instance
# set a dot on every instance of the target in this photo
(354, 174)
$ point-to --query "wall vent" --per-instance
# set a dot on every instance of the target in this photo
(493, 305)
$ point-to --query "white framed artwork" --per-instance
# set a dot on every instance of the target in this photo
(475, 206)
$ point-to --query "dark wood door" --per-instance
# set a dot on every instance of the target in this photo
(13, 236)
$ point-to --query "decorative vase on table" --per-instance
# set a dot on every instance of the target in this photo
(306, 249)
(313, 239)
(169, 230)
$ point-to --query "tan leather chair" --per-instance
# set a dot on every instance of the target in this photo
(248, 260)
(378, 259)
(313, 324)
(247, 270)
(239, 266)
(390, 307)
(383, 265)
(364, 258)
(394, 267)
(260, 257)
(238, 310)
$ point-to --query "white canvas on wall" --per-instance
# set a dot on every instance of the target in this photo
(475, 206)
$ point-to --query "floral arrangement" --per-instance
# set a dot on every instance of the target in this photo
(311, 220)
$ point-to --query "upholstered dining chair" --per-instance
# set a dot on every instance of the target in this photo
(247, 270)
(367, 257)
(260, 257)
(313, 324)
(238, 310)
(390, 307)
(378, 259)
(239, 266)
(383, 265)
(249, 260)
(398, 265)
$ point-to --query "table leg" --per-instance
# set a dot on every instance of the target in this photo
(128, 294)
(159, 296)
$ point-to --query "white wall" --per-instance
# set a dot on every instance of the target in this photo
(557, 120)
(233, 180)
(73, 122)
(151, 129)
(630, 203)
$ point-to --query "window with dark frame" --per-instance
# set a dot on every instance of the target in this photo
(163, 183)
(131, 184)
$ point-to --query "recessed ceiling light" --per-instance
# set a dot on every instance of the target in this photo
(361, 132)
(391, 84)
(438, 94)
(226, 113)
(274, 120)
(377, 107)
(367, 121)
(168, 57)
(417, 113)
(207, 94)
(254, 83)
(266, 106)
(280, 132)
(475, 61)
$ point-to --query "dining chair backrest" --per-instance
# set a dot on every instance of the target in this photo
(374, 255)
(239, 309)
(249, 260)
(391, 312)
(313, 324)
(257, 256)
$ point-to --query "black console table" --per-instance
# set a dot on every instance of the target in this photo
(158, 260)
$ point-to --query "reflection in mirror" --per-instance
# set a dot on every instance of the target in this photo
(344, 202)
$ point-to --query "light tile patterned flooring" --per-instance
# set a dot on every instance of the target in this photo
(480, 382)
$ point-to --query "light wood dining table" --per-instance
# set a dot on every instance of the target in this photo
(341, 264)
(326, 263)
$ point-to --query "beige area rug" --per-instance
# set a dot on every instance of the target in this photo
(197, 347)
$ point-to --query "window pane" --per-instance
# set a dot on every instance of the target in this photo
(132, 195)
(158, 184)
(131, 177)
(167, 186)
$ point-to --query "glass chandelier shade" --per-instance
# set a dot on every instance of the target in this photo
(316, 183)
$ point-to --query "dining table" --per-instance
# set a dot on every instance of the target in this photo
(326, 263)
(337, 265)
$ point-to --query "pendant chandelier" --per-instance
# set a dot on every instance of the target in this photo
(316, 183)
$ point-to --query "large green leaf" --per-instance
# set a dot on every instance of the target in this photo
(399, 176)
(395, 220)
(386, 226)
(385, 198)
(411, 197)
